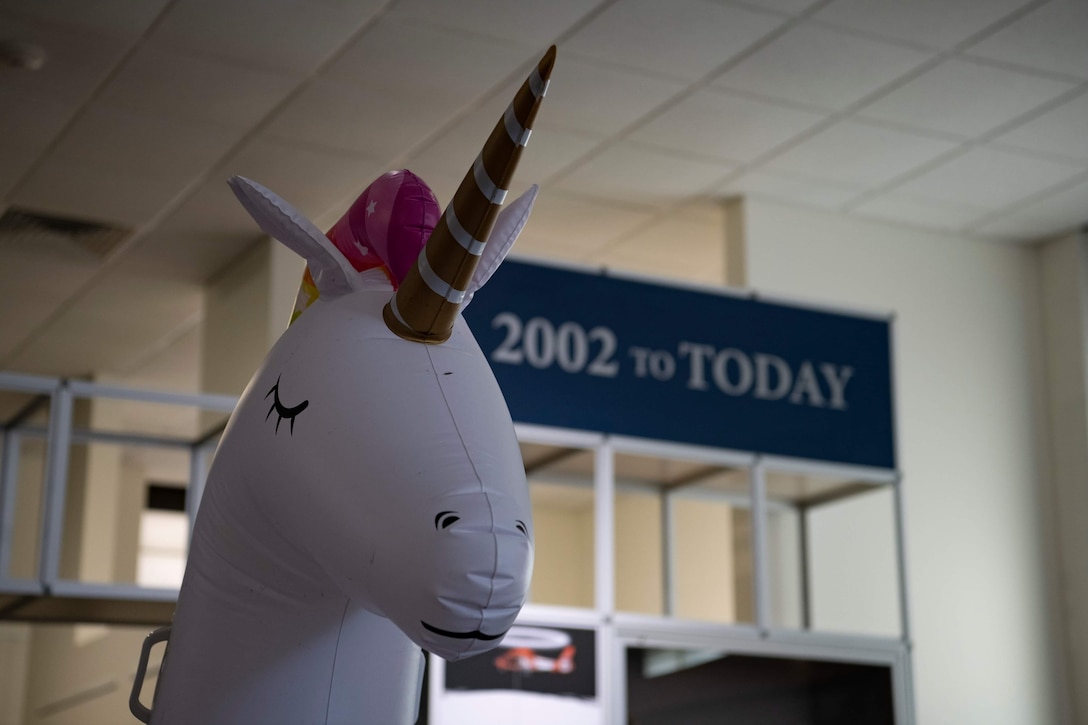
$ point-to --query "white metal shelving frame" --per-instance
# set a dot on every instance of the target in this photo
(615, 630)
(22, 597)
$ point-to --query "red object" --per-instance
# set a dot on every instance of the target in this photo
(524, 659)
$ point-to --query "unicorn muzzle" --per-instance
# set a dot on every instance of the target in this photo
(480, 561)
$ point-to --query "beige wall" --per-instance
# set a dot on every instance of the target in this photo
(246, 308)
(1064, 271)
(712, 577)
(14, 653)
(852, 565)
(705, 560)
(967, 337)
(563, 567)
(28, 502)
(638, 553)
(77, 680)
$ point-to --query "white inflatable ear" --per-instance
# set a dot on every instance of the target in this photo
(508, 226)
(333, 275)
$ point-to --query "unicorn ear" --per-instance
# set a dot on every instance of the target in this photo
(333, 275)
(508, 226)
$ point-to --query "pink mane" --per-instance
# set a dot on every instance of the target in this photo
(388, 224)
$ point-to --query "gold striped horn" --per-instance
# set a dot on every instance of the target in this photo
(425, 306)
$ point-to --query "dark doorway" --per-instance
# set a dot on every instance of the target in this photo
(684, 688)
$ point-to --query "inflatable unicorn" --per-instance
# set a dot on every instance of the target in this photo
(368, 497)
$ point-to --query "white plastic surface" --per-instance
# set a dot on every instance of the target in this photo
(367, 499)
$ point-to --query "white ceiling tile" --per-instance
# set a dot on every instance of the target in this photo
(1016, 228)
(643, 176)
(140, 311)
(965, 98)
(30, 119)
(1049, 38)
(938, 23)
(988, 178)
(572, 226)
(123, 17)
(821, 67)
(37, 276)
(386, 93)
(549, 149)
(793, 7)
(202, 235)
(381, 123)
(1065, 208)
(430, 78)
(313, 181)
(185, 257)
(445, 161)
(723, 126)
(15, 163)
(534, 23)
(588, 98)
(162, 303)
(818, 193)
(151, 147)
(96, 194)
(278, 34)
(857, 153)
(27, 126)
(1062, 131)
(399, 58)
(163, 82)
(210, 209)
(685, 38)
(77, 60)
(913, 212)
(453, 150)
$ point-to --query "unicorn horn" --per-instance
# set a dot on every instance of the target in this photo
(425, 306)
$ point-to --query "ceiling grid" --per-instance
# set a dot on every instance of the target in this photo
(951, 116)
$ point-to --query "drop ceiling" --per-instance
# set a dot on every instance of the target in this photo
(967, 117)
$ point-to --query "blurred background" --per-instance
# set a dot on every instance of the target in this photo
(925, 159)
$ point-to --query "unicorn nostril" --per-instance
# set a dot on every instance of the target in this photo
(444, 519)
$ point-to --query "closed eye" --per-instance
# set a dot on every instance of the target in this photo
(281, 410)
(520, 526)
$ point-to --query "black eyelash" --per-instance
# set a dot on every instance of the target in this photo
(520, 526)
(282, 410)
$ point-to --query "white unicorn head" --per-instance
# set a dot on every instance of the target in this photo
(370, 474)
(399, 467)
(392, 461)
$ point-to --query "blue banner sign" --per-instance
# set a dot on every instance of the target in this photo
(594, 352)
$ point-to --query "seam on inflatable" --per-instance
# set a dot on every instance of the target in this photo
(335, 655)
(479, 481)
(446, 403)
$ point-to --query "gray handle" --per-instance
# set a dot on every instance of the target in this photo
(143, 714)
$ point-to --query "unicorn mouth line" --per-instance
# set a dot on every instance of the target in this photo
(474, 634)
